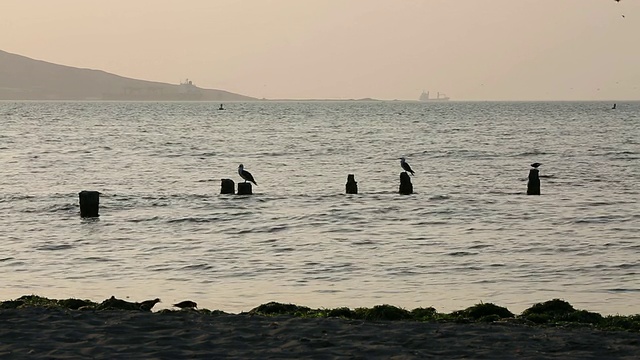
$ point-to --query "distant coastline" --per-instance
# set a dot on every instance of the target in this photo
(23, 78)
(27, 79)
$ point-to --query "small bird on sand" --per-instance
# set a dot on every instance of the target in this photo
(147, 305)
(245, 174)
(405, 166)
(187, 304)
(535, 165)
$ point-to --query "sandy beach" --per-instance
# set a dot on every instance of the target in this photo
(42, 333)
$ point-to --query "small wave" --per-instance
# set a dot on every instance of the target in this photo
(462, 253)
(439, 197)
(268, 241)
(365, 242)
(622, 290)
(598, 219)
(277, 228)
(192, 220)
(98, 259)
(480, 246)
(264, 229)
(197, 267)
(627, 266)
(12, 198)
(54, 247)
(530, 153)
(53, 208)
(154, 218)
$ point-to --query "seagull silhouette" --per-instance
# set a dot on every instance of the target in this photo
(405, 166)
(245, 175)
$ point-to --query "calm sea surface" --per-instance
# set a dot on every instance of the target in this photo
(468, 234)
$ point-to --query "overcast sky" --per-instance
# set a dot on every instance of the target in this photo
(392, 49)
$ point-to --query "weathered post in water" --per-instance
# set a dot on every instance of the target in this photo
(244, 188)
(89, 203)
(406, 187)
(227, 186)
(352, 184)
(533, 186)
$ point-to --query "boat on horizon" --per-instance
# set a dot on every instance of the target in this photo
(439, 97)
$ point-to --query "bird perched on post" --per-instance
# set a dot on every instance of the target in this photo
(535, 165)
(187, 304)
(405, 166)
(148, 304)
(245, 174)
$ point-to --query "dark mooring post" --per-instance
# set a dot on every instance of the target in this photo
(227, 186)
(406, 187)
(89, 203)
(352, 184)
(244, 188)
(533, 186)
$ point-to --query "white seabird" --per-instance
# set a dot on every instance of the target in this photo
(406, 166)
(246, 175)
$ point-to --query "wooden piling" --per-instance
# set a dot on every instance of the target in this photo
(244, 188)
(533, 186)
(352, 184)
(406, 187)
(227, 186)
(89, 203)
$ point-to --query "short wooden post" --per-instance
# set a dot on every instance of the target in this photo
(244, 188)
(227, 186)
(533, 186)
(352, 184)
(89, 203)
(406, 187)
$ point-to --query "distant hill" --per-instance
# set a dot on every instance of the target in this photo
(23, 78)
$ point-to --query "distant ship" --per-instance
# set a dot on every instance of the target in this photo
(440, 97)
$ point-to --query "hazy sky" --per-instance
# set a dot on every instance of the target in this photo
(393, 49)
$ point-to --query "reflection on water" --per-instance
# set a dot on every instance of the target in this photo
(467, 235)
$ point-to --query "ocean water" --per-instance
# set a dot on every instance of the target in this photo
(468, 233)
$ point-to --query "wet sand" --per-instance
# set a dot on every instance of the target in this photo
(39, 333)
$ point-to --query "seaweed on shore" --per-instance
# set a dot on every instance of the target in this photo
(39, 301)
(551, 313)
(558, 311)
(383, 312)
(276, 308)
(554, 312)
(30, 301)
(482, 312)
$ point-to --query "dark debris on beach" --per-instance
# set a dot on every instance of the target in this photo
(554, 312)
